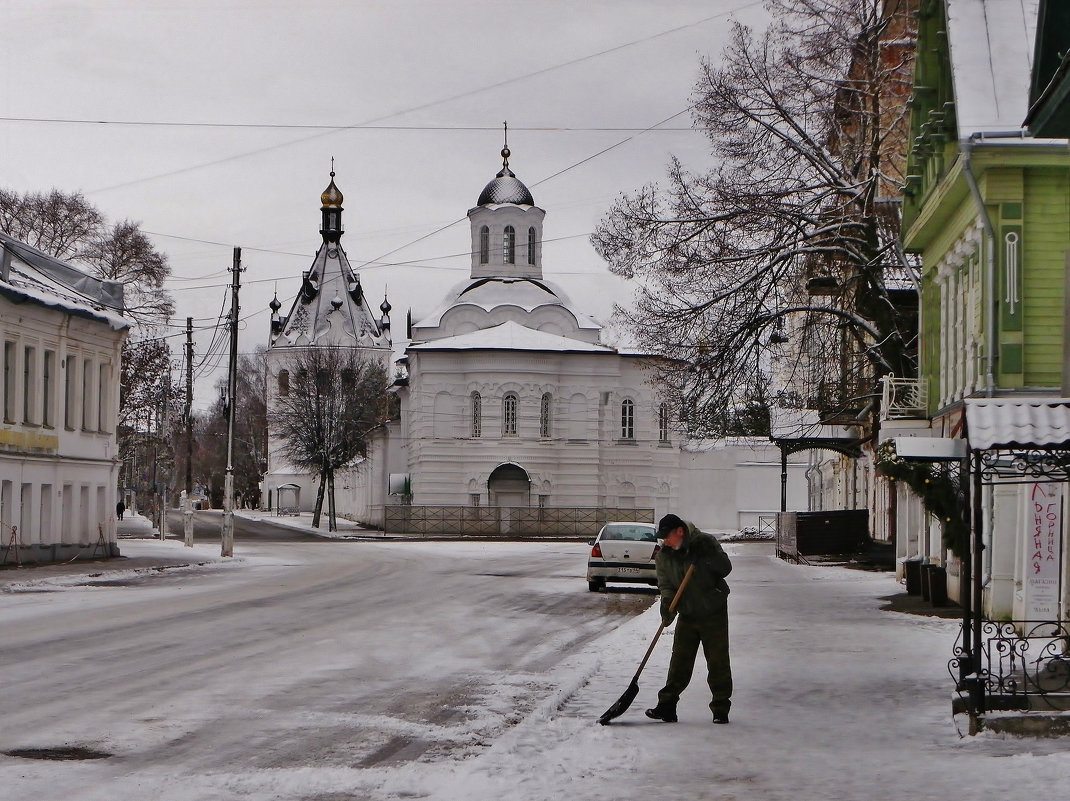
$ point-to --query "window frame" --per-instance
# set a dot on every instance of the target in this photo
(484, 245)
(627, 419)
(477, 415)
(509, 245)
(510, 412)
(546, 416)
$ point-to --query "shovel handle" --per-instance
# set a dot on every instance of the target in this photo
(661, 628)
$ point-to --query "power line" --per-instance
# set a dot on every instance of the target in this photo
(329, 127)
(377, 264)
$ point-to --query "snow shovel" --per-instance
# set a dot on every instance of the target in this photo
(625, 700)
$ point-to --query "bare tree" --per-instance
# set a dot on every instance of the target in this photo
(251, 428)
(807, 124)
(69, 227)
(335, 400)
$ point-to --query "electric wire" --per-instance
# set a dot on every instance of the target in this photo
(440, 101)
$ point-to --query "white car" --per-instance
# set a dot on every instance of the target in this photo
(623, 552)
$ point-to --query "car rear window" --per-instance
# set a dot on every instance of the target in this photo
(634, 533)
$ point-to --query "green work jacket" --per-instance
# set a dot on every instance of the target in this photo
(706, 595)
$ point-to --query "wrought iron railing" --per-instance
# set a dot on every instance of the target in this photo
(904, 397)
(1024, 665)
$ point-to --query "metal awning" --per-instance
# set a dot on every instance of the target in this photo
(1011, 423)
(794, 430)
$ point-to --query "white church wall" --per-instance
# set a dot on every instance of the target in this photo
(724, 485)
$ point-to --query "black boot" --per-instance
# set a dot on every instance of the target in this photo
(663, 711)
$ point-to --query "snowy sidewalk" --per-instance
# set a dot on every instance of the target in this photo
(834, 699)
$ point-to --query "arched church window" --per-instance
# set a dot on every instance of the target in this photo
(627, 419)
(484, 245)
(663, 423)
(531, 245)
(509, 245)
(545, 429)
(509, 403)
(284, 383)
(477, 415)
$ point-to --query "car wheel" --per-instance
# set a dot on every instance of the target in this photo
(596, 585)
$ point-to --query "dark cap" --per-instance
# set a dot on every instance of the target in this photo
(668, 524)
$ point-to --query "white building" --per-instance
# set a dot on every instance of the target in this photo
(513, 400)
(62, 337)
(330, 309)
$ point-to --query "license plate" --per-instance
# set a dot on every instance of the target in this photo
(629, 571)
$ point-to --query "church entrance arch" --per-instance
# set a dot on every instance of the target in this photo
(509, 485)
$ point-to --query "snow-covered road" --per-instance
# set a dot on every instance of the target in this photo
(449, 671)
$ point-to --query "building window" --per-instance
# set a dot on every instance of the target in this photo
(509, 245)
(102, 398)
(48, 389)
(477, 415)
(69, 397)
(627, 420)
(9, 382)
(29, 385)
(663, 423)
(484, 245)
(87, 382)
(473, 499)
(509, 415)
(284, 383)
(531, 245)
(545, 428)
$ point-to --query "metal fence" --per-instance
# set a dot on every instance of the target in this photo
(507, 521)
(1025, 665)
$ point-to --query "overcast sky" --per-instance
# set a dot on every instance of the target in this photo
(213, 123)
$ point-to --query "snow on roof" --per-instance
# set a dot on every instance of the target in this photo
(490, 293)
(37, 277)
(511, 335)
(991, 48)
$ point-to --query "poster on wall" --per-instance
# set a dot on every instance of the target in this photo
(1044, 546)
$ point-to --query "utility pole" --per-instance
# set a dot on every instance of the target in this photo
(155, 413)
(165, 417)
(232, 391)
(187, 506)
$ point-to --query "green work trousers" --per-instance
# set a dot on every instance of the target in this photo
(712, 634)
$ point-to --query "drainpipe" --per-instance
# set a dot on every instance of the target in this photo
(966, 147)
(990, 263)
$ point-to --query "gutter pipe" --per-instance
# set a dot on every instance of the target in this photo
(966, 147)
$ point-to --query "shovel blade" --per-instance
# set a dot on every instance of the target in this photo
(622, 704)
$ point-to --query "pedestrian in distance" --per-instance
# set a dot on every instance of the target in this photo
(120, 507)
(701, 615)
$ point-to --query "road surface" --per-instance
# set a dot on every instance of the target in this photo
(290, 659)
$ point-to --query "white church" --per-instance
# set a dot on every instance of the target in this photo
(514, 414)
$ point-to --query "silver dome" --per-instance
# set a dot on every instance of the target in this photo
(506, 188)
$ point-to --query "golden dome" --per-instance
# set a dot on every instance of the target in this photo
(331, 197)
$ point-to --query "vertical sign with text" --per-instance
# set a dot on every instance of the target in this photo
(1044, 546)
